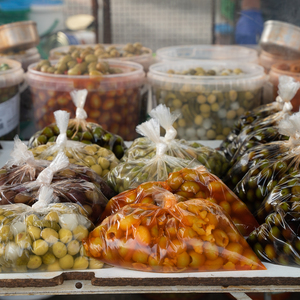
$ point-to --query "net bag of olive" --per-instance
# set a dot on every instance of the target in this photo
(260, 169)
(22, 167)
(44, 237)
(264, 130)
(212, 159)
(79, 191)
(196, 235)
(97, 158)
(81, 130)
(131, 173)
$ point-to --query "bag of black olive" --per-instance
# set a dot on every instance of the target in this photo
(131, 173)
(143, 147)
(79, 129)
(264, 130)
(99, 159)
(261, 168)
(22, 167)
(84, 193)
(44, 237)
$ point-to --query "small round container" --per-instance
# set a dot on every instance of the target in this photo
(10, 99)
(280, 69)
(145, 60)
(267, 59)
(209, 105)
(113, 101)
(207, 52)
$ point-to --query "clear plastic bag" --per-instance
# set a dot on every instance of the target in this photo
(190, 236)
(79, 191)
(277, 240)
(133, 172)
(212, 159)
(264, 130)
(260, 169)
(81, 130)
(97, 158)
(45, 237)
(22, 167)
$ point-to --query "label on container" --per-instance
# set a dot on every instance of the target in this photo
(9, 115)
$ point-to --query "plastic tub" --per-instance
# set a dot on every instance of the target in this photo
(284, 69)
(267, 59)
(209, 105)
(207, 52)
(145, 60)
(10, 99)
(113, 101)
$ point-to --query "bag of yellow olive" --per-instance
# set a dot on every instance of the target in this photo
(97, 158)
(261, 168)
(210, 94)
(277, 239)
(199, 183)
(22, 167)
(44, 237)
(131, 173)
(84, 193)
(196, 235)
(81, 130)
(263, 130)
(142, 147)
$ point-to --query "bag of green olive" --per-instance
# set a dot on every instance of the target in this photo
(263, 130)
(80, 130)
(45, 237)
(261, 117)
(260, 169)
(143, 147)
(131, 173)
(99, 159)
(277, 240)
(84, 193)
(22, 167)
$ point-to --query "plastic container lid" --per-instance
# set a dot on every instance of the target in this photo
(253, 78)
(13, 76)
(207, 52)
(133, 77)
(145, 59)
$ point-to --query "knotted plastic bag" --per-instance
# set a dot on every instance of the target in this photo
(97, 158)
(79, 191)
(133, 172)
(212, 159)
(264, 130)
(44, 237)
(260, 169)
(190, 236)
(81, 130)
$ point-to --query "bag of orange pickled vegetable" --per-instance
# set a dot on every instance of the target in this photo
(143, 147)
(132, 172)
(195, 235)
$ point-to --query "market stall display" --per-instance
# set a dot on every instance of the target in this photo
(195, 235)
(210, 95)
(97, 158)
(81, 130)
(11, 75)
(113, 100)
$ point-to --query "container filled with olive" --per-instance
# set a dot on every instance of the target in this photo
(277, 240)
(11, 75)
(195, 235)
(135, 52)
(210, 95)
(91, 134)
(42, 240)
(113, 98)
